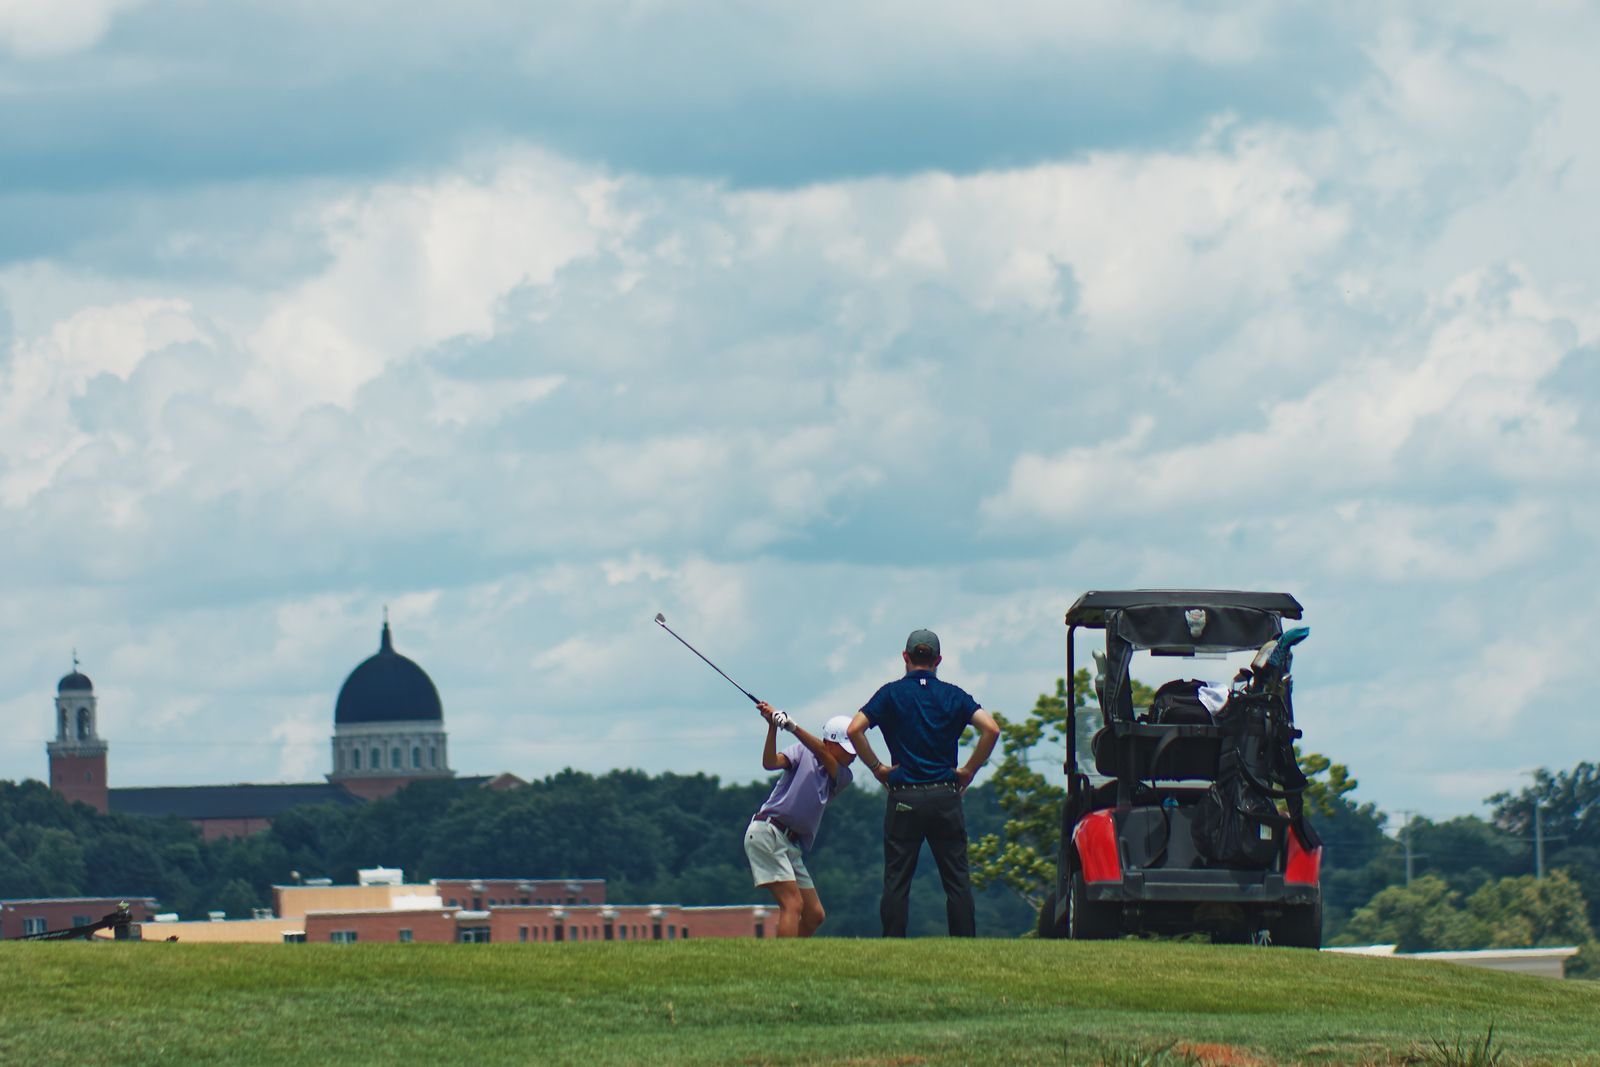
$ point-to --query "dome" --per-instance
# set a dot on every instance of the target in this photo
(388, 687)
(75, 683)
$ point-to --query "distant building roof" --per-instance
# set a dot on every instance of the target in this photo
(225, 801)
(75, 683)
(388, 687)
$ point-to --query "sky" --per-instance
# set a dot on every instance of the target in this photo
(806, 325)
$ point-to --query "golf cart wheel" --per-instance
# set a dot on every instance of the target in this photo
(1090, 920)
(1299, 926)
(1049, 928)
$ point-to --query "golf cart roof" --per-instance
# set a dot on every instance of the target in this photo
(1090, 609)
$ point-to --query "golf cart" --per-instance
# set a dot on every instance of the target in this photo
(1186, 816)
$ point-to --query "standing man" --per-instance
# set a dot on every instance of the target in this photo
(922, 719)
(814, 770)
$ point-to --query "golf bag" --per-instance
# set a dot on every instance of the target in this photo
(1239, 823)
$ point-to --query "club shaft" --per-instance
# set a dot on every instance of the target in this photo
(708, 663)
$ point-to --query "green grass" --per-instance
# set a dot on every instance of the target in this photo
(700, 1002)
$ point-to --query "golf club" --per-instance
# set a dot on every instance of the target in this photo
(661, 621)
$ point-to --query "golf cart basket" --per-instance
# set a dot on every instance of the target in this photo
(1202, 814)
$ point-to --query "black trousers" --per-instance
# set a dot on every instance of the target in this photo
(933, 815)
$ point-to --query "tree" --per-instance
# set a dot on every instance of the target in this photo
(1568, 803)
(1525, 911)
(1329, 782)
(1427, 914)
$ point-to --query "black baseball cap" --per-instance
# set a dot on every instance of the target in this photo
(926, 640)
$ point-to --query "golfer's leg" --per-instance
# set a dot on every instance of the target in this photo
(790, 907)
(811, 913)
(947, 840)
(901, 841)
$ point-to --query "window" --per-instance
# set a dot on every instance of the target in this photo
(416, 758)
(83, 724)
(377, 760)
(474, 935)
(560, 932)
(35, 925)
(672, 933)
(433, 757)
(343, 937)
(295, 938)
(394, 759)
(655, 931)
(524, 902)
(82, 920)
(477, 903)
(451, 902)
(355, 759)
(761, 930)
(61, 732)
(405, 935)
(685, 933)
(611, 931)
(522, 933)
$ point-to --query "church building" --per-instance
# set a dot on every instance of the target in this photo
(388, 731)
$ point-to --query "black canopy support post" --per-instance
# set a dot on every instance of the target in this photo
(1071, 766)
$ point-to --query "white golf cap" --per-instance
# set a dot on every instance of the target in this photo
(837, 729)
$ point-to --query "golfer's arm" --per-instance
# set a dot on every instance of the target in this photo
(770, 759)
(819, 750)
(988, 734)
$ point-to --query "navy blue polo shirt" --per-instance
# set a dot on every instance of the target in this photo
(921, 718)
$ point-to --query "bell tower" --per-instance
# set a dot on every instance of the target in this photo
(77, 755)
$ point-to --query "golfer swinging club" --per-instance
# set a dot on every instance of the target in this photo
(922, 719)
(814, 771)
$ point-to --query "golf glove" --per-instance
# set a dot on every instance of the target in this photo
(782, 721)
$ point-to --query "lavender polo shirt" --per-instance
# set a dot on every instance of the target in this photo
(802, 791)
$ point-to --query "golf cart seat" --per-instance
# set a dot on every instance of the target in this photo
(1159, 751)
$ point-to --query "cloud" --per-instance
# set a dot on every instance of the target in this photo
(709, 89)
(1469, 395)
(32, 30)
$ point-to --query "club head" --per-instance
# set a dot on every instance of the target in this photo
(661, 619)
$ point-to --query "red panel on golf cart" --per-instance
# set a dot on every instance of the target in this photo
(1303, 868)
(1095, 839)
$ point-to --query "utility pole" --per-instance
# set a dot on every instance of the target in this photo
(1538, 842)
(1539, 837)
(1405, 840)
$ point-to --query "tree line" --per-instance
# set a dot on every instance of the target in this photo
(666, 838)
(672, 838)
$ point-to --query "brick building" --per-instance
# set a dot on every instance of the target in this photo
(470, 910)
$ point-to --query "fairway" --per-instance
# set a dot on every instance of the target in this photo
(844, 1001)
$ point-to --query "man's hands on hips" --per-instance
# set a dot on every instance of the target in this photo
(882, 771)
(964, 778)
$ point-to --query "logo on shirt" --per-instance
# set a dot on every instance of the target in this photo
(924, 681)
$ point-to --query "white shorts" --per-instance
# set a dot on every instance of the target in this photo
(773, 857)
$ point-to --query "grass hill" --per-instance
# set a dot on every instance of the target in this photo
(754, 1002)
